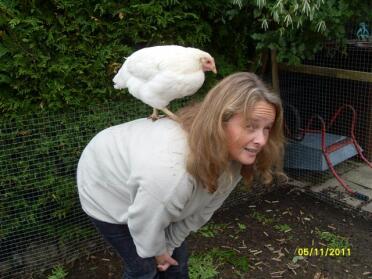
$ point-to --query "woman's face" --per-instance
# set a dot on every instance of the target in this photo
(246, 140)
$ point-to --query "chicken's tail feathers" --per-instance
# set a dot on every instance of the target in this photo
(116, 86)
(119, 83)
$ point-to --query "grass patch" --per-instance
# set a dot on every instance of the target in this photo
(241, 227)
(333, 240)
(284, 228)
(232, 257)
(205, 265)
(58, 272)
(262, 218)
(211, 229)
(202, 267)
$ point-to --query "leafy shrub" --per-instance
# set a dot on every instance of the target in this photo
(58, 54)
(297, 29)
(61, 53)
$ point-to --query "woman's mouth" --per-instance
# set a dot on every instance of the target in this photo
(253, 151)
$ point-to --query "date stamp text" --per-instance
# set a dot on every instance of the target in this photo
(322, 252)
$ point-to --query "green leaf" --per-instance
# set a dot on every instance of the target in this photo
(5, 79)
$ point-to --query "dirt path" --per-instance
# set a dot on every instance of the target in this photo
(269, 238)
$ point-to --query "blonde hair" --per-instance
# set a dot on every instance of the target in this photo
(204, 123)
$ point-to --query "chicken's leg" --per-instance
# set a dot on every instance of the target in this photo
(170, 114)
(154, 116)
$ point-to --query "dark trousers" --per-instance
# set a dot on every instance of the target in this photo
(118, 236)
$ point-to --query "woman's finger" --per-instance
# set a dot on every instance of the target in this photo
(172, 261)
(163, 267)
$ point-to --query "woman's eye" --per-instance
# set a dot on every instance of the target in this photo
(268, 129)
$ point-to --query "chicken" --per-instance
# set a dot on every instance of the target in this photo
(157, 75)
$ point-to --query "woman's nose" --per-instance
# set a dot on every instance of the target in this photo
(260, 138)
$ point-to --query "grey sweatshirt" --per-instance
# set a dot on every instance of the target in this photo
(135, 174)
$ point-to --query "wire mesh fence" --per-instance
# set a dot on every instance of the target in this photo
(328, 112)
(41, 223)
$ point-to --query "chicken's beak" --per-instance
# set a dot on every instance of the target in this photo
(214, 70)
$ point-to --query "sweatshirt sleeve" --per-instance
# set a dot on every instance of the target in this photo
(177, 232)
(147, 220)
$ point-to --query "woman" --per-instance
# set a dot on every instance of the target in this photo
(146, 185)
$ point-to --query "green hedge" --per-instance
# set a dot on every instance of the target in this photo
(58, 54)
(61, 54)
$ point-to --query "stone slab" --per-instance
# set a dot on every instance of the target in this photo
(358, 179)
(360, 176)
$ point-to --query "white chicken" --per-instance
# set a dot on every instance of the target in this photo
(157, 75)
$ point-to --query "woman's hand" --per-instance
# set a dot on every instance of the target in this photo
(165, 261)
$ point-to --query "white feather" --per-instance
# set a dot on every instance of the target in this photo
(158, 75)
